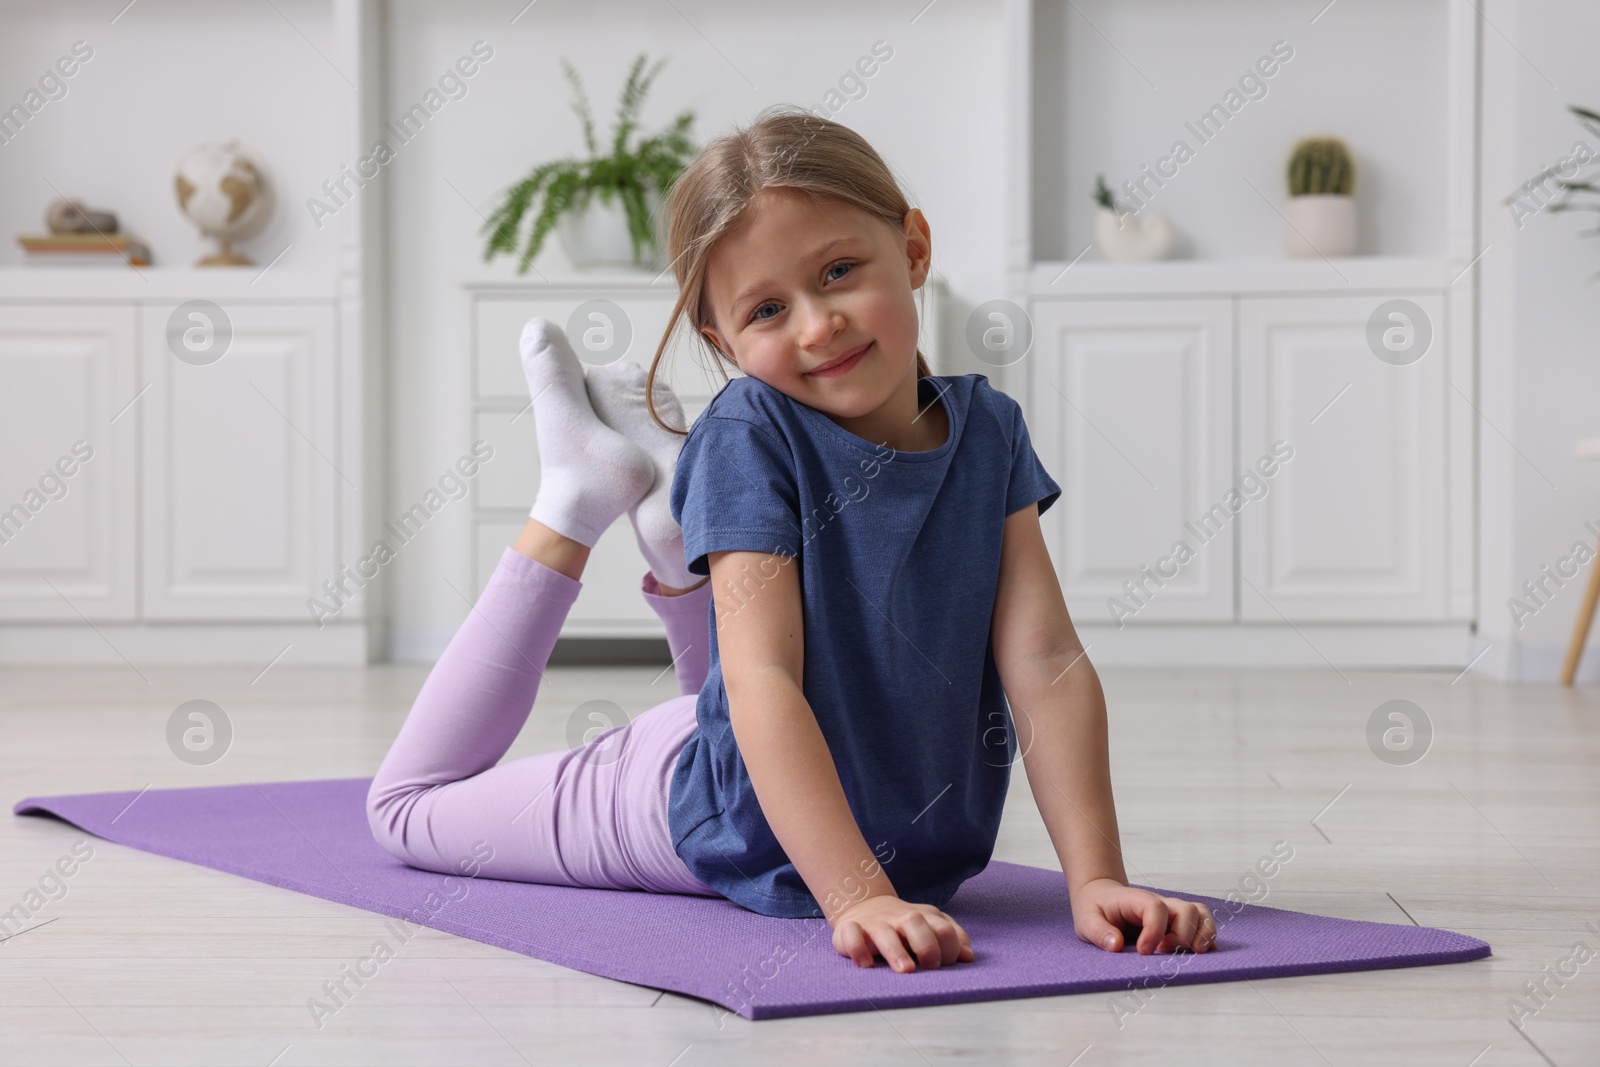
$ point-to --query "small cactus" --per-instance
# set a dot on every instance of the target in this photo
(1321, 165)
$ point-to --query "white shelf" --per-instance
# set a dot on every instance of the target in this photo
(1344, 274)
(66, 284)
(620, 279)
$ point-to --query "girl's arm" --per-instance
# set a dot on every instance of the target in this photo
(761, 644)
(1060, 715)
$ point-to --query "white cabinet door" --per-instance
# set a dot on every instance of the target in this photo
(1354, 527)
(67, 462)
(1129, 407)
(242, 466)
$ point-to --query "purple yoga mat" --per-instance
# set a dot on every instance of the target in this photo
(312, 837)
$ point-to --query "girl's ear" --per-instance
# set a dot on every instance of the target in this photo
(710, 334)
(919, 246)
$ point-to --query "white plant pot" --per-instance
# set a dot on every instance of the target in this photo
(1133, 238)
(597, 236)
(1320, 224)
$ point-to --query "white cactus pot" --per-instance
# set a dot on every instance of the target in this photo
(1132, 238)
(1320, 224)
(597, 236)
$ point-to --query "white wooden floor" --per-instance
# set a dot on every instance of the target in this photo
(1495, 833)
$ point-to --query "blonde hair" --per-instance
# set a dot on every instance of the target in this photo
(786, 147)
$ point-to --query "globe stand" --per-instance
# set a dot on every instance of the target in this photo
(226, 257)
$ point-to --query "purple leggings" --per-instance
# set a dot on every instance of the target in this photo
(595, 815)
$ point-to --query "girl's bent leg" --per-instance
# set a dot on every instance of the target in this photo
(635, 799)
(438, 796)
(687, 618)
(594, 816)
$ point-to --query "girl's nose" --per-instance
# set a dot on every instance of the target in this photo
(818, 322)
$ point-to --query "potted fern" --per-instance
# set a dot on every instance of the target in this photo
(1321, 215)
(603, 208)
(1578, 186)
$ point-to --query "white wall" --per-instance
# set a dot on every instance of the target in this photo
(930, 111)
(1541, 333)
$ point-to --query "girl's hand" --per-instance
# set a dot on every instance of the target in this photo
(1102, 907)
(890, 924)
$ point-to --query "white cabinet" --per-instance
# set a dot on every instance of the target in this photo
(1355, 525)
(240, 467)
(67, 545)
(1131, 412)
(210, 492)
(1167, 420)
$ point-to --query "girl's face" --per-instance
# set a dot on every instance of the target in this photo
(801, 283)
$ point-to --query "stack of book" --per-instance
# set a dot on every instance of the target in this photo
(84, 250)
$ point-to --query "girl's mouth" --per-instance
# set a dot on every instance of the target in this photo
(835, 367)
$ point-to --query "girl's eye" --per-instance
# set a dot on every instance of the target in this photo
(756, 316)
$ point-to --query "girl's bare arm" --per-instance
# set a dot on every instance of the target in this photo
(1059, 711)
(761, 639)
(761, 643)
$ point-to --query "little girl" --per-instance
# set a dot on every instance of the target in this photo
(879, 591)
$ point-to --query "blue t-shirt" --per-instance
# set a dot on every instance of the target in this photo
(899, 562)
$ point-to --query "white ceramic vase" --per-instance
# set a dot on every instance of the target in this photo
(1320, 224)
(597, 237)
(1132, 238)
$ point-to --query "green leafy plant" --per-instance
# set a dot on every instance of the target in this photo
(1576, 186)
(568, 185)
(1103, 197)
(1321, 165)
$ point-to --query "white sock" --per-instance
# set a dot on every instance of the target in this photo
(588, 473)
(616, 391)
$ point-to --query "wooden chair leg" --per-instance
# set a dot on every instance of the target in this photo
(1580, 628)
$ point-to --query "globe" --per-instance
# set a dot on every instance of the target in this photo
(224, 191)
